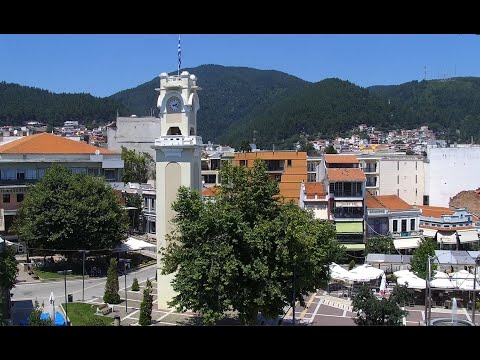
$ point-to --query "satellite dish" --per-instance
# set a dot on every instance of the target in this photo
(15, 132)
(97, 152)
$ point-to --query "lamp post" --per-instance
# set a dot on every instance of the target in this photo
(65, 272)
(125, 261)
(83, 273)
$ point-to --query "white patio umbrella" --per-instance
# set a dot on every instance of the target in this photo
(403, 273)
(441, 280)
(52, 307)
(366, 272)
(412, 282)
(340, 274)
(464, 280)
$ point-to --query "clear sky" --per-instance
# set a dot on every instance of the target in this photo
(104, 64)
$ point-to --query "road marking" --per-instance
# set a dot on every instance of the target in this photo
(316, 311)
(468, 315)
(302, 314)
(164, 316)
(129, 315)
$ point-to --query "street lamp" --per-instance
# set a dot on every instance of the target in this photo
(65, 272)
(125, 261)
(83, 273)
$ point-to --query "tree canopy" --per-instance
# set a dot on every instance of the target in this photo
(239, 253)
(419, 260)
(138, 167)
(380, 245)
(66, 211)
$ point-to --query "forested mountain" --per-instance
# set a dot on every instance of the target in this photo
(327, 108)
(20, 104)
(448, 106)
(228, 95)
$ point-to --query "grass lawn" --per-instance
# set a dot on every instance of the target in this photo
(81, 313)
(45, 275)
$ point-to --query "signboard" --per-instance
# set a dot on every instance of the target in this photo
(348, 204)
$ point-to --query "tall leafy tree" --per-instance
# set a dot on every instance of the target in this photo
(146, 307)
(66, 211)
(138, 167)
(8, 275)
(111, 295)
(245, 146)
(380, 245)
(419, 260)
(330, 150)
(372, 311)
(240, 252)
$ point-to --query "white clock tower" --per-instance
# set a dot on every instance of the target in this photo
(178, 159)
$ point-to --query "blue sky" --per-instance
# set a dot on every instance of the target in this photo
(104, 64)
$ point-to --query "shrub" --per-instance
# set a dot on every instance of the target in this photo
(111, 295)
(146, 308)
(149, 284)
(351, 265)
(135, 286)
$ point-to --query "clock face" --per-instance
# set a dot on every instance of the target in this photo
(174, 104)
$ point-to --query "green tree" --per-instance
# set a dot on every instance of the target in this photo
(380, 245)
(372, 311)
(240, 252)
(305, 145)
(245, 146)
(66, 211)
(146, 308)
(138, 167)
(419, 260)
(135, 286)
(111, 295)
(330, 150)
(34, 317)
(351, 264)
(8, 275)
(148, 284)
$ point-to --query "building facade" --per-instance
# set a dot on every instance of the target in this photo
(314, 197)
(289, 168)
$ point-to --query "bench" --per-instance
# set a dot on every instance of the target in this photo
(104, 309)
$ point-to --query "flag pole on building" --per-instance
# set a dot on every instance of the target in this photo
(179, 56)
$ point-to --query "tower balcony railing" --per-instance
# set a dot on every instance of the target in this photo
(178, 140)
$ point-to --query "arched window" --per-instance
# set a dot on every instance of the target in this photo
(175, 130)
(192, 131)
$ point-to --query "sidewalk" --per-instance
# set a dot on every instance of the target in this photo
(24, 277)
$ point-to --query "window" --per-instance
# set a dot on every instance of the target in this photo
(398, 165)
(395, 225)
(416, 192)
(9, 174)
(289, 162)
(31, 174)
(416, 179)
(93, 171)
(109, 174)
(145, 203)
(398, 192)
(153, 204)
(21, 174)
(425, 200)
(398, 179)
(412, 224)
(404, 225)
(243, 162)
(416, 168)
(311, 177)
(41, 173)
(78, 170)
(6, 198)
(19, 198)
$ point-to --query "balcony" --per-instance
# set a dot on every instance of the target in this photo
(371, 184)
(370, 169)
(178, 140)
(406, 233)
(347, 213)
(347, 194)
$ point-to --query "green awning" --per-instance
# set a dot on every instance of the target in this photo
(349, 227)
(354, 247)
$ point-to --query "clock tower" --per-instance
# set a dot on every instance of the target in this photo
(178, 159)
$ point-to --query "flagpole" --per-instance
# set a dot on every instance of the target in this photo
(179, 56)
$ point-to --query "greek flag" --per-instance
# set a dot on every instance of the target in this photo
(179, 55)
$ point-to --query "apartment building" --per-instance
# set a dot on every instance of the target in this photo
(314, 197)
(25, 160)
(289, 168)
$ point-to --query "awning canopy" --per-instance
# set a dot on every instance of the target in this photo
(388, 259)
(406, 243)
(429, 232)
(133, 244)
(447, 237)
(349, 227)
(451, 257)
(354, 247)
(467, 236)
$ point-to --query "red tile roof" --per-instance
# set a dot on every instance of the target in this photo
(210, 191)
(389, 202)
(340, 159)
(345, 174)
(314, 188)
(435, 211)
(46, 143)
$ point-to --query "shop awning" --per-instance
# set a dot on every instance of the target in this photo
(429, 232)
(406, 243)
(447, 237)
(349, 227)
(354, 247)
(467, 236)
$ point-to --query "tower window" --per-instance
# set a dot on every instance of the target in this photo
(175, 130)
(192, 131)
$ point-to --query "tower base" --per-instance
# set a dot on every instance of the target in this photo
(165, 292)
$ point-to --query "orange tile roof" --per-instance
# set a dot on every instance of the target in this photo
(341, 159)
(435, 211)
(389, 202)
(210, 191)
(314, 188)
(345, 174)
(46, 143)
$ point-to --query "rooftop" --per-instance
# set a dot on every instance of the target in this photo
(46, 143)
(314, 188)
(345, 174)
(389, 202)
(341, 159)
(435, 211)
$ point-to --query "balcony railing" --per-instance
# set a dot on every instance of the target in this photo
(351, 214)
(406, 233)
(370, 169)
(347, 194)
(178, 140)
